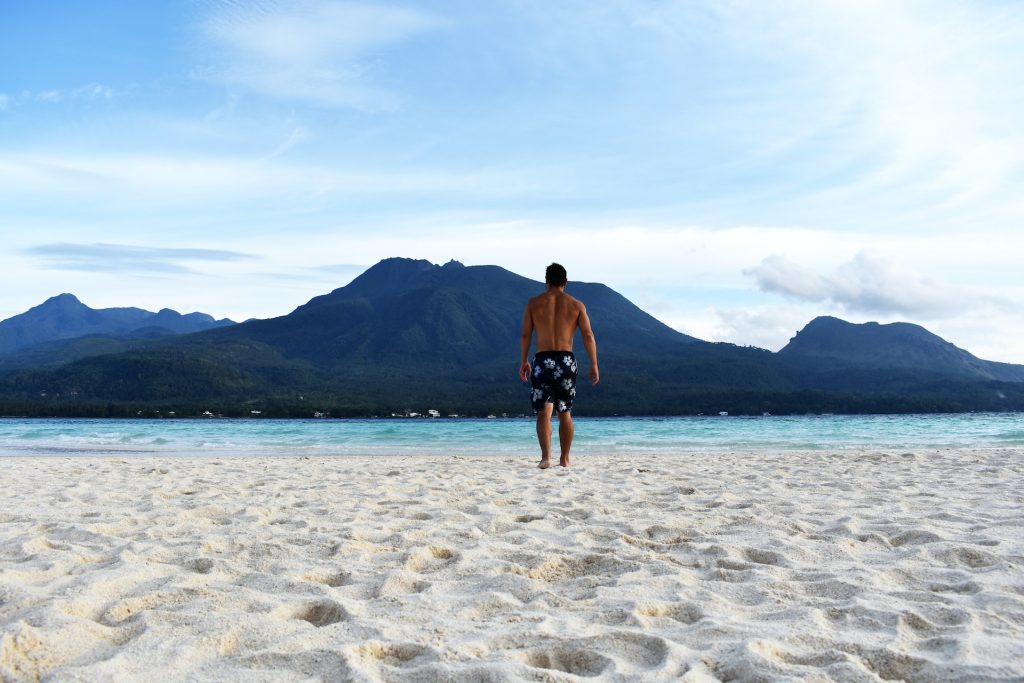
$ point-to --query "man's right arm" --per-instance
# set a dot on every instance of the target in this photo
(589, 343)
(525, 339)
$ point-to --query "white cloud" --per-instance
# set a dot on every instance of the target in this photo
(931, 84)
(311, 50)
(862, 114)
(769, 327)
(126, 258)
(689, 278)
(772, 326)
(161, 180)
(869, 283)
(49, 96)
(93, 91)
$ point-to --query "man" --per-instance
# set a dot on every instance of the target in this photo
(555, 316)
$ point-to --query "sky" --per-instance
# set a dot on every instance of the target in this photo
(734, 167)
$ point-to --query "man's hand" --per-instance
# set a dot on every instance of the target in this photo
(595, 376)
(524, 371)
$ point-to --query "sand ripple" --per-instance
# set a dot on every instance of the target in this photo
(855, 566)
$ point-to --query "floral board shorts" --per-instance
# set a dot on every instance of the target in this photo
(554, 380)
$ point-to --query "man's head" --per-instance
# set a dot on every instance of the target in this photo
(555, 275)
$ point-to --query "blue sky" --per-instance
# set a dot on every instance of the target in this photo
(734, 166)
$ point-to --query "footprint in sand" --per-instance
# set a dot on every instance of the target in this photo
(314, 664)
(131, 608)
(558, 568)
(575, 514)
(637, 649)
(397, 583)
(327, 577)
(431, 559)
(968, 557)
(769, 557)
(683, 612)
(199, 565)
(490, 606)
(914, 537)
(526, 519)
(664, 535)
(116, 634)
(319, 613)
(964, 588)
(578, 662)
(391, 654)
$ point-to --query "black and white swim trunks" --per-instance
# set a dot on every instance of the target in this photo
(554, 380)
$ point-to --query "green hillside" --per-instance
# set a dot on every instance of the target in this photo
(409, 334)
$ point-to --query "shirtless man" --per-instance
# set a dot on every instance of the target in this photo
(555, 316)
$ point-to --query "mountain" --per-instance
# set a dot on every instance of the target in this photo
(65, 317)
(411, 334)
(414, 314)
(835, 343)
(403, 333)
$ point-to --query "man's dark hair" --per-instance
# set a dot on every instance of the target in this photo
(555, 275)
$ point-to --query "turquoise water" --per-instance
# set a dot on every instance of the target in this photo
(502, 436)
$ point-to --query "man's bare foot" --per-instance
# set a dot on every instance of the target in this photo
(544, 463)
(564, 462)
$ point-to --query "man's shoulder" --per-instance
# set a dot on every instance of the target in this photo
(546, 297)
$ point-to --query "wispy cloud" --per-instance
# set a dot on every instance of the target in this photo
(311, 50)
(927, 100)
(164, 179)
(765, 326)
(50, 96)
(856, 114)
(93, 91)
(119, 258)
(90, 91)
(340, 269)
(867, 284)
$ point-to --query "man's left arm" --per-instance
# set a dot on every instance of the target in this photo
(524, 345)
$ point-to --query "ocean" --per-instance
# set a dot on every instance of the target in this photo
(501, 436)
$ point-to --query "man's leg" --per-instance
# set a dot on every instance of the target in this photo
(544, 435)
(565, 432)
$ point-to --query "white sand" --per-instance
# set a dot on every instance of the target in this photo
(853, 566)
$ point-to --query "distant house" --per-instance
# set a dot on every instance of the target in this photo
(433, 413)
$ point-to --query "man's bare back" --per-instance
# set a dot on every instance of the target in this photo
(555, 316)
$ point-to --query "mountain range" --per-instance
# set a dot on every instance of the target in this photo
(411, 334)
(65, 317)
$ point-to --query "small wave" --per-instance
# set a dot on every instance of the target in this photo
(33, 436)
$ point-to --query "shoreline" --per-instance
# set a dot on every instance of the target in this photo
(130, 455)
(847, 565)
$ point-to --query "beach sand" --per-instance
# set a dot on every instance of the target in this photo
(817, 566)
